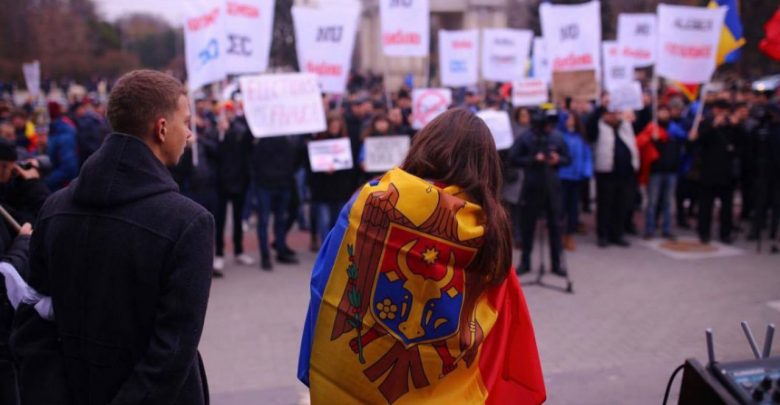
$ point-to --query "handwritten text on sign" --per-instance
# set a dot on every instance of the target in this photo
(283, 104)
(405, 27)
(385, 152)
(529, 92)
(428, 104)
(330, 155)
(687, 42)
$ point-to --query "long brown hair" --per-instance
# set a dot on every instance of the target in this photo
(333, 116)
(456, 148)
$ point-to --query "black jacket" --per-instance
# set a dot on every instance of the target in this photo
(233, 158)
(718, 152)
(274, 161)
(127, 261)
(539, 175)
(24, 198)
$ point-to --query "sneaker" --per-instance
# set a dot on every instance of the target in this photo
(568, 243)
(219, 263)
(265, 264)
(670, 237)
(523, 270)
(217, 274)
(622, 242)
(245, 260)
(602, 243)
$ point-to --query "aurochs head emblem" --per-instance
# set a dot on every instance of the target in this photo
(418, 293)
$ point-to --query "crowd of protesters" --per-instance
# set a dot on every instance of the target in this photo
(565, 157)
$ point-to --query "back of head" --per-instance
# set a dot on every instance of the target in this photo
(141, 97)
(458, 149)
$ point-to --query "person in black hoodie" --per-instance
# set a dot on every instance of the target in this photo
(233, 167)
(126, 260)
(717, 148)
(273, 165)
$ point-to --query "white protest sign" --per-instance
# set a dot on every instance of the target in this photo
(282, 104)
(427, 104)
(617, 69)
(572, 34)
(405, 27)
(500, 127)
(637, 36)
(541, 64)
(625, 96)
(330, 155)
(32, 77)
(505, 54)
(458, 57)
(529, 92)
(248, 31)
(324, 39)
(385, 152)
(688, 42)
(203, 44)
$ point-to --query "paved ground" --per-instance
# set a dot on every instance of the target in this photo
(635, 315)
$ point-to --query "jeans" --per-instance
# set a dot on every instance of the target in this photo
(326, 214)
(237, 202)
(570, 190)
(660, 190)
(272, 201)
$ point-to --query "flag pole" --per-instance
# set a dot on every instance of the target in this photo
(654, 85)
(194, 129)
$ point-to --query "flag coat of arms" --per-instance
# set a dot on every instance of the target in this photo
(393, 318)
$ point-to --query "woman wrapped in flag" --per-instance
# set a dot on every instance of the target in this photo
(412, 297)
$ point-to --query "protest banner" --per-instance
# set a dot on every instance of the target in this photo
(505, 54)
(625, 96)
(330, 155)
(637, 37)
(405, 27)
(385, 152)
(32, 77)
(541, 65)
(248, 31)
(529, 92)
(324, 40)
(616, 68)
(580, 85)
(500, 127)
(572, 35)
(282, 104)
(203, 44)
(688, 42)
(427, 104)
(458, 57)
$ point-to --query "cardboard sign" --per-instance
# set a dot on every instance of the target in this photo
(577, 85)
(505, 54)
(330, 155)
(626, 96)
(500, 127)
(637, 35)
(688, 42)
(325, 39)
(529, 93)
(204, 51)
(458, 57)
(541, 66)
(427, 104)
(405, 27)
(572, 34)
(248, 32)
(282, 104)
(617, 69)
(32, 77)
(385, 152)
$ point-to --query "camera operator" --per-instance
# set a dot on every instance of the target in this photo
(22, 192)
(540, 152)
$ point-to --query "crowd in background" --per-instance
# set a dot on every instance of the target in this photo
(565, 157)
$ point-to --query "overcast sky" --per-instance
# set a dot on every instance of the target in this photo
(171, 10)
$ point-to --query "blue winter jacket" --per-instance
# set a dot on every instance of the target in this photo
(63, 155)
(581, 166)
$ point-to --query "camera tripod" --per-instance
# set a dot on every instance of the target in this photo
(542, 240)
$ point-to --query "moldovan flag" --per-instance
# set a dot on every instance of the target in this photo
(394, 318)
